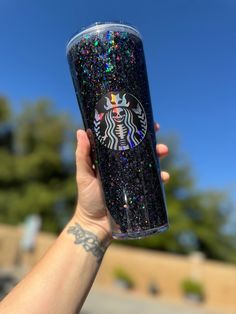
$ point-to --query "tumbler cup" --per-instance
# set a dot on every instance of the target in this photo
(109, 74)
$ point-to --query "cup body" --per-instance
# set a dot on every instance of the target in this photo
(109, 74)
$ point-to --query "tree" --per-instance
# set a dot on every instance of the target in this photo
(37, 178)
(6, 135)
(5, 112)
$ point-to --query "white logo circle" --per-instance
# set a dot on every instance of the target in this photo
(120, 121)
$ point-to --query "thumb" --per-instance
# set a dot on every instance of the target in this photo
(84, 171)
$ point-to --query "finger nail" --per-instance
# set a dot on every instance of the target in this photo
(157, 126)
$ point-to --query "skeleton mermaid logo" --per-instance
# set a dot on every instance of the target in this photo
(120, 121)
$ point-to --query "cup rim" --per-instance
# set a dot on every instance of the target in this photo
(99, 26)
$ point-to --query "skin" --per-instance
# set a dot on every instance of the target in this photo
(61, 280)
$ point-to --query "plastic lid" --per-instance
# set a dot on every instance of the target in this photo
(101, 26)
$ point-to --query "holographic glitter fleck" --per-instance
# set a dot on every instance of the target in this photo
(109, 74)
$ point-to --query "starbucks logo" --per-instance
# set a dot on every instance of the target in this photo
(120, 121)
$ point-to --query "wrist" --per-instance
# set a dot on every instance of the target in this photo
(95, 227)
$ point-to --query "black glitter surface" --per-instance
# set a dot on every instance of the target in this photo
(110, 78)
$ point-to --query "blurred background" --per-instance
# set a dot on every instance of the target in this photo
(190, 50)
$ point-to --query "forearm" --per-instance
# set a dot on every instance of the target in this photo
(60, 282)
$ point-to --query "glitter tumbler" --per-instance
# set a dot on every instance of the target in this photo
(109, 74)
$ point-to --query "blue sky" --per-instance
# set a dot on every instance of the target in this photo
(190, 48)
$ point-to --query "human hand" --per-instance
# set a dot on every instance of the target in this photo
(91, 208)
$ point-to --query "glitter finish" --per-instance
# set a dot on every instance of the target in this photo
(108, 69)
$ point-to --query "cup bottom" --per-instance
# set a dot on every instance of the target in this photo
(139, 234)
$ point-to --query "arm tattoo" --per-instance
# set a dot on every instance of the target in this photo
(88, 240)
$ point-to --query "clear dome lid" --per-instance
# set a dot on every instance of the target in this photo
(99, 27)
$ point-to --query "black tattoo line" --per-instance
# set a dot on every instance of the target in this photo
(88, 240)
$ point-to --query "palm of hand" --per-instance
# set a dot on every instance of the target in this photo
(91, 199)
(91, 206)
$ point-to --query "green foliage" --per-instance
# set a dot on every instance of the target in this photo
(36, 178)
(190, 286)
(122, 275)
(5, 112)
(40, 128)
(6, 133)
